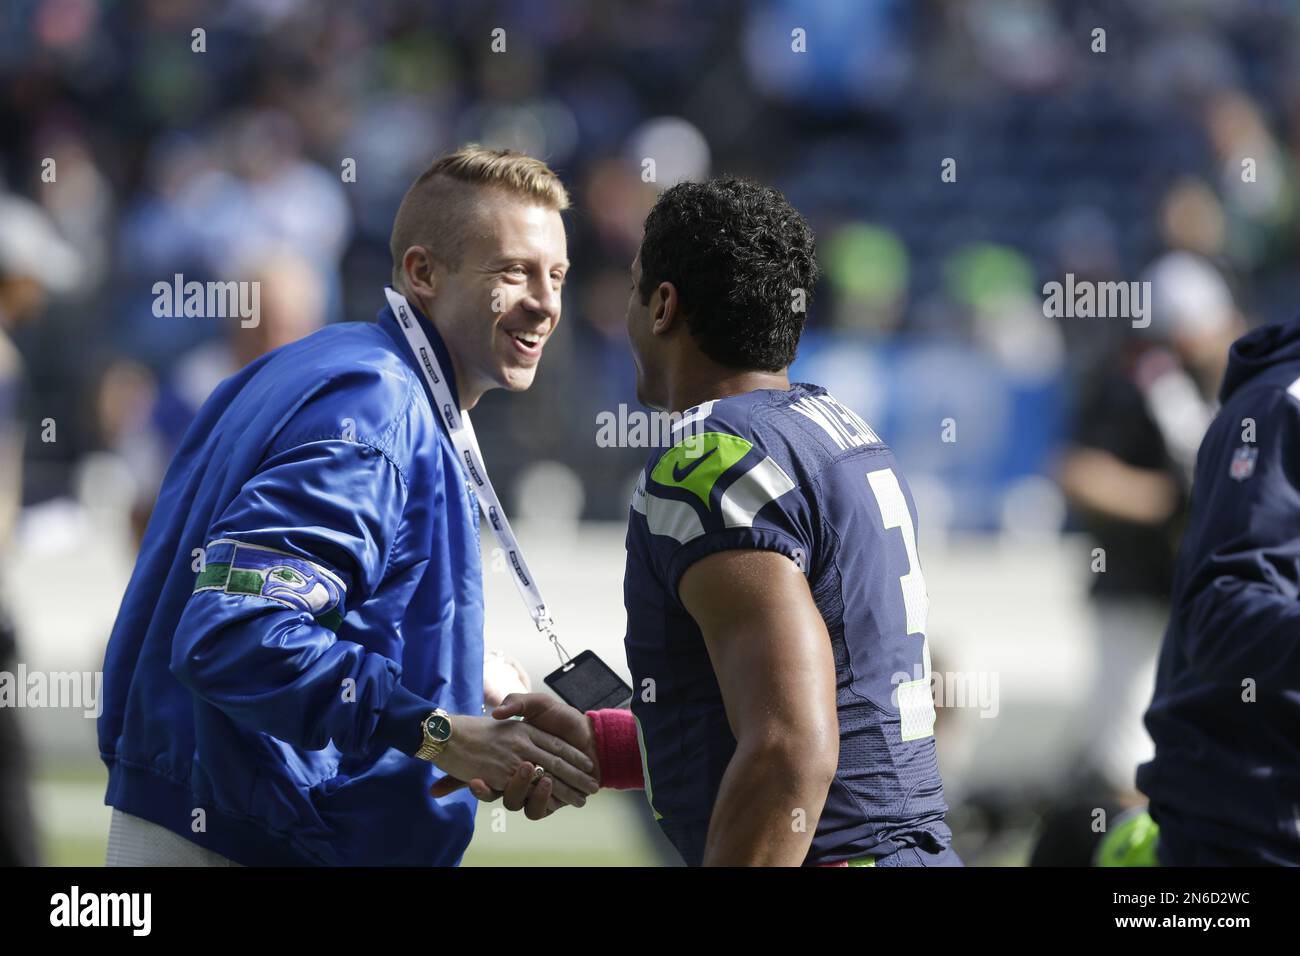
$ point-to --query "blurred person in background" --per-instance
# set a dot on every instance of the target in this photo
(228, 203)
(1127, 471)
(35, 261)
(292, 306)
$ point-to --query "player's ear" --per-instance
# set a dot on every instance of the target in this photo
(665, 308)
(417, 267)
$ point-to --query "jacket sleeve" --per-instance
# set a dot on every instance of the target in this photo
(305, 540)
(1241, 601)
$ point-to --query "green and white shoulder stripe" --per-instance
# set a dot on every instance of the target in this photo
(698, 464)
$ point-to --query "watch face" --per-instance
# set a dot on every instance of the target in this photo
(438, 727)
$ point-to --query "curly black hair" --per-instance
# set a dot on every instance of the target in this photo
(737, 252)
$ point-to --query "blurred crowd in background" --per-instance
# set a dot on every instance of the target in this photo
(229, 164)
(1117, 156)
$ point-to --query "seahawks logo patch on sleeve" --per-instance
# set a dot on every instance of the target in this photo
(258, 571)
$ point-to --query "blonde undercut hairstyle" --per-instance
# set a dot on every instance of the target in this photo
(438, 211)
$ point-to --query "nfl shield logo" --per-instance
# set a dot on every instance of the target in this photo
(1243, 463)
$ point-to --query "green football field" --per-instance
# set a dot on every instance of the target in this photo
(613, 829)
(610, 830)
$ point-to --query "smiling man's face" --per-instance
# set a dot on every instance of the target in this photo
(497, 310)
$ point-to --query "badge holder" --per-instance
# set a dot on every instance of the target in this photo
(586, 682)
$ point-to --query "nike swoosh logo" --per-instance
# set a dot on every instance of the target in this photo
(680, 474)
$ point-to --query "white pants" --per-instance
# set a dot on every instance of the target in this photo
(1128, 633)
(136, 842)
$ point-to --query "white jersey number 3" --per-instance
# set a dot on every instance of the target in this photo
(915, 702)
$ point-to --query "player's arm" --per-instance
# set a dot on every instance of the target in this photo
(1100, 482)
(772, 657)
(1091, 471)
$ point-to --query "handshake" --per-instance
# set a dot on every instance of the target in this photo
(535, 752)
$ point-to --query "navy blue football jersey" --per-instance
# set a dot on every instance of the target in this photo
(797, 473)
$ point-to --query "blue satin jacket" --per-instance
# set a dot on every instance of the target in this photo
(309, 587)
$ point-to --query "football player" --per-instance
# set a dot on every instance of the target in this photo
(775, 602)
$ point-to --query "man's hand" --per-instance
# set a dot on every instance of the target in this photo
(502, 676)
(490, 750)
(548, 714)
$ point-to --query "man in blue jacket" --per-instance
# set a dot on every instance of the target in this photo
(299, 653)
(1224, 785)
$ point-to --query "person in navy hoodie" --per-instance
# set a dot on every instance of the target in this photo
(1224, 785)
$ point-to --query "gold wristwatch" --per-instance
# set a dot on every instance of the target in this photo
(436, 729)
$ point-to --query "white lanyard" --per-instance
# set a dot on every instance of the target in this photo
(462, 437)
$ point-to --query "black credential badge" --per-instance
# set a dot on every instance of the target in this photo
(588, 683)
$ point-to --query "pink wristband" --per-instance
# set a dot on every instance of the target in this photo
(617, 749)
